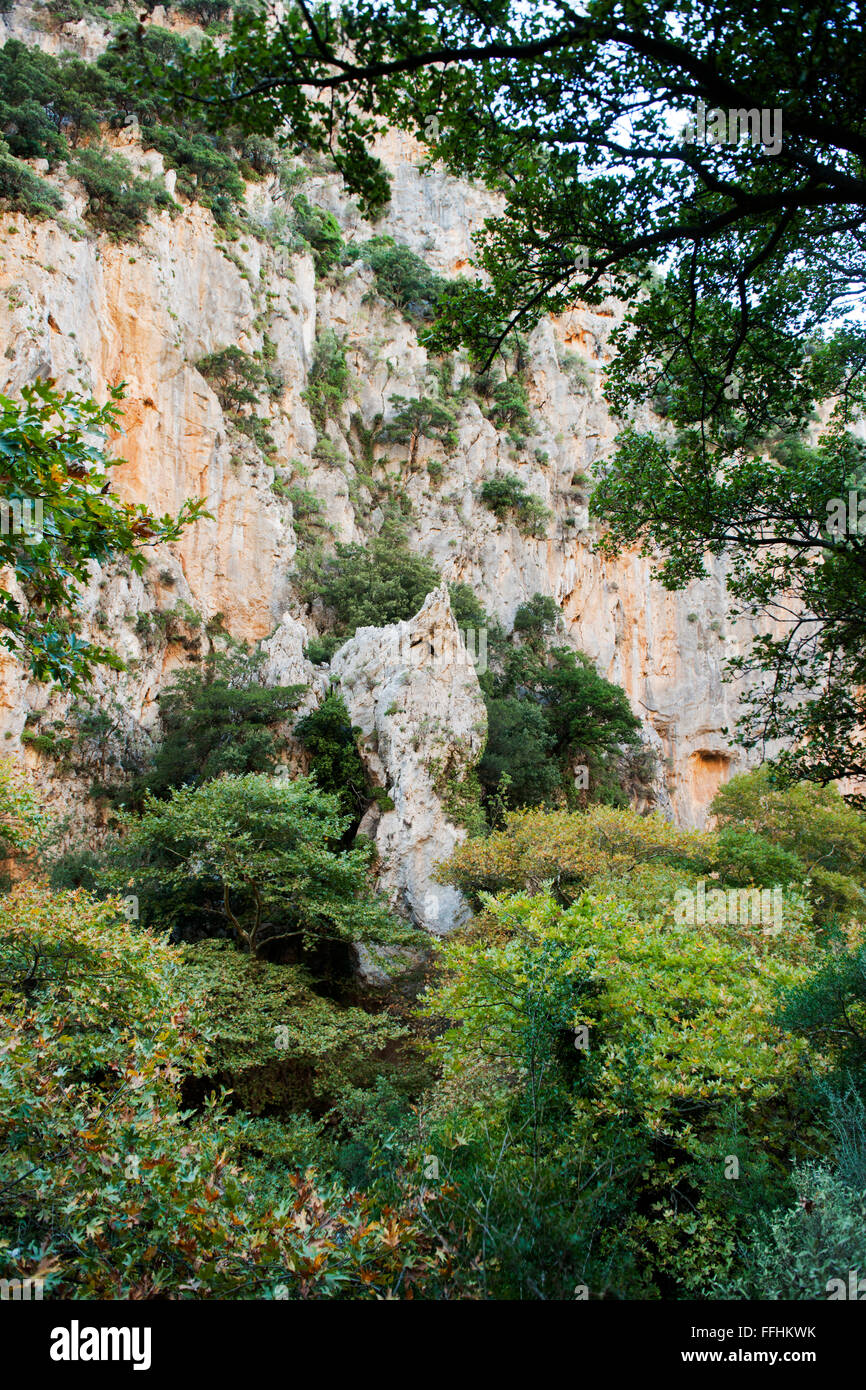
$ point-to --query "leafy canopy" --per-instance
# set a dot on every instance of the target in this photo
(48, 461)
(222, 718)
(255, 857)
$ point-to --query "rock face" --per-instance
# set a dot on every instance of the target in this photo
(412, 689)
(91, 314)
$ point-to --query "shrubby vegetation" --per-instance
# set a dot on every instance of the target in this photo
(509, 499)
(220, 718)
(321, 230)
(331, 742)
(550, 713)
(402, 277)
(328, 385)
(101, 1022)
(23, 191)
(118, 200)
(594, 1064)
(54, 108)
(604, 1164)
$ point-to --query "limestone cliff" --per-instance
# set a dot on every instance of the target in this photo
(92, 314)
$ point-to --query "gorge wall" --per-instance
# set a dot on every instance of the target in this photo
(92, 314)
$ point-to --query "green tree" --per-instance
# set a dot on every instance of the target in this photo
(222, 718)
(331, 740)
(118, 200)
(328, 386)
(426, 417)
(255, 857)
(548, 711)
(570, 116)
(276, 1042)
(48, 460)
(382, 582)
(402, 277)
(827, 836)
(518, 765)
(767, 505)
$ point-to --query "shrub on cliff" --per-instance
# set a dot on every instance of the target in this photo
(238, 379)
(328, 385)
(427, 418)
(220, 719)
(23, 191)
(118, 200)
(332, 744)
(402, 277)
(204, 172)
(370, 585)
(509, 498)
(321, 230)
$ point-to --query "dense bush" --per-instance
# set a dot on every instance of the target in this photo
(48, 104)
(204, 172)
(332, 744)
(568, 851)
(507, 497)
(827, 836)
(238, 379)
(829, 1009)
(275, 1042)
(221, 718)
(509, 409)
(118, 200)
(103, 1198)
(254, 858)
(23, 191)
(382, 582)
(519, 763)
(599, 1157)
(549, 711)
(45, 101)
(402, 277)
(807, 1250)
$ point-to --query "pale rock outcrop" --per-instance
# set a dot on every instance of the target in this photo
(285, 663)
(413, 691)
